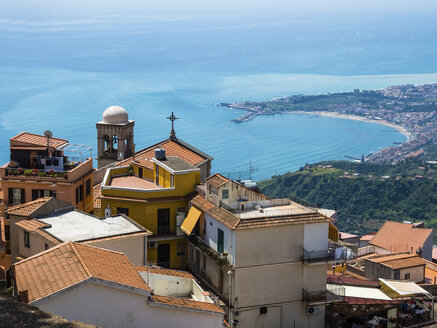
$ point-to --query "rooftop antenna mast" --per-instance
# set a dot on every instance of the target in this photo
(48, 134)
(251, 168)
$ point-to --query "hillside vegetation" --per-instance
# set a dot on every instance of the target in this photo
(365, 195)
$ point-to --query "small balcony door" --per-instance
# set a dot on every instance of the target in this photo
(163, 221)
(164, 255)
(220, 240)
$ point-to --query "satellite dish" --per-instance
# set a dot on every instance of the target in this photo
(48, 134)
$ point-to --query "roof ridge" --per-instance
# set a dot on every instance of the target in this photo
(81, 261)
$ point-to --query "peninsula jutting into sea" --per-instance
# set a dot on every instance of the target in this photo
(410, 109)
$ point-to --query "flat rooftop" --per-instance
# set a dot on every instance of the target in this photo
(78, 226)
(271, 211)
(133, 182)
(176, 164)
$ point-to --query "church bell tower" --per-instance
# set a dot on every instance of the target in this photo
(115, 136)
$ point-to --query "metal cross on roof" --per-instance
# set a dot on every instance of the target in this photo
(172, 118)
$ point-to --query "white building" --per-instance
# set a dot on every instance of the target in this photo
(266, 258)
(117, 233)
(103, 288)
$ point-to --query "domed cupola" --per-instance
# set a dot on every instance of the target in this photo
(115, 136)
(115, 115)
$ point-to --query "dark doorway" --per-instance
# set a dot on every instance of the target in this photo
(163, 221)
(164, 255)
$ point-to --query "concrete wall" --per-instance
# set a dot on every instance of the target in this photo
(291, 315)
(315, 236)
(417, 274)
(134, 247)
(271, 245)
(36, 243)
(211, 235)
(111, 308)
(427, 248)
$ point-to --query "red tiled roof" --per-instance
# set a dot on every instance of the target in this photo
(400, 237)
(28, 208)
(351, 281)
(187, 303)
(399, 261)
(70, 263)
(31, 139)
(233, 222)
(166, 272)
(217, 180)
(174, 148)
(97, 192)
(35, 226)
(217, 213)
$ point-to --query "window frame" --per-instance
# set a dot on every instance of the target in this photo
(26, 239)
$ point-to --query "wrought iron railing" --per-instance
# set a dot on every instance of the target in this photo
(220, 258)
(330, 254)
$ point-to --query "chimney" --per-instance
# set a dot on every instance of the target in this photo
(160, 154)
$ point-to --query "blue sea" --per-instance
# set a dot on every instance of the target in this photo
(60, 70)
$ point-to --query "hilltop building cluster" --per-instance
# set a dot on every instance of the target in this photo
(152, 239)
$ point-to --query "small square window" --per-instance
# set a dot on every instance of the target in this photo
(46, 246)
(225, 194)
(407, 276)
(263, 310)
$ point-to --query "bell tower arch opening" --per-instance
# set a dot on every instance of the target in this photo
(115, 136)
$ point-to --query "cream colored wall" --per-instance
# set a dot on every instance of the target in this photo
(105, 306)
(133, 247)
(36, 244)
(290, 315)
(417, 274)
(269, 245)
(255, 286)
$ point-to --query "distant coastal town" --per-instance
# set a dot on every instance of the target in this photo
(411, 109)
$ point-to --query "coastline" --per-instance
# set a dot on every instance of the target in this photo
(399, 128)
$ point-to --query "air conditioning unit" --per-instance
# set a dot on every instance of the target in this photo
(312, 310)
(153, 244)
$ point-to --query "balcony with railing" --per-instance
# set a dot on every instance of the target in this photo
(70, 171)
(220, 258)
(332, 253)
(313, 297)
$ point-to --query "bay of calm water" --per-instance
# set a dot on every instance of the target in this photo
(61, 72)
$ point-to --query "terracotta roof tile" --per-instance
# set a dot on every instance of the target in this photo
(218, 213)
(31, 225)
(399, 261)
(187, 303)
(31, 139)
(166, 272)
(110, 265)
(282, 220)
(96, 196)
(70, 263)
(233, 222)
(176, 148)
(217, 180)
(400, 237)
(28, 208)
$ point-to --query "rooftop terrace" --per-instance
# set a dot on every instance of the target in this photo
(78, 226)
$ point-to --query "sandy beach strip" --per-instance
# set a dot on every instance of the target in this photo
(400, 128)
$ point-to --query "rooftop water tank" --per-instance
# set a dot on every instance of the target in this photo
(160, 154)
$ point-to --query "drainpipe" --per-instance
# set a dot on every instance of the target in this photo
(230, 272)
(144, 250)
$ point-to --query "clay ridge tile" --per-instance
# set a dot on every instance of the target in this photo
(187, 303)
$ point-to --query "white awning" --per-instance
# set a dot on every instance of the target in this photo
(402, 288)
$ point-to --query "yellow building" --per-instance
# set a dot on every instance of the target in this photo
(154, 190)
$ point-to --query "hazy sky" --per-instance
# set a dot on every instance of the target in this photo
(200, 6)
